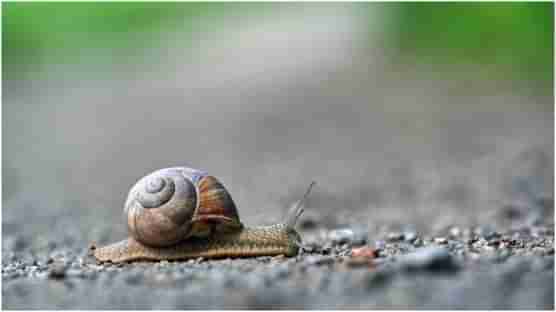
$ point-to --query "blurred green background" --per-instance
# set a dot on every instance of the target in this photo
(510, 40)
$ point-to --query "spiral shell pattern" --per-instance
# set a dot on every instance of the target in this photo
(160, 206)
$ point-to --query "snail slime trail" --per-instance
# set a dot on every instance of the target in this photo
(180, 213)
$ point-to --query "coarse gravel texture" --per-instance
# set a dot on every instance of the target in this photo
(469, 268)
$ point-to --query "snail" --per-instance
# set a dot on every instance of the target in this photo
(180, 213)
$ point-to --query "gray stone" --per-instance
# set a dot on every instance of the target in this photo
(440, 240)
(430, 259)
(351, 236)
(395, 236)
(57, 270)
(409, 236)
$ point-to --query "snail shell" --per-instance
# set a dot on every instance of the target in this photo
(172, 204)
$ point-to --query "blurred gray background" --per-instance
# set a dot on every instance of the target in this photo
(270, 97)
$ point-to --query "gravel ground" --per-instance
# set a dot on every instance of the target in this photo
(342, 268)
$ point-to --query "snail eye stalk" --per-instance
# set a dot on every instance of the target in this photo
(297, 209)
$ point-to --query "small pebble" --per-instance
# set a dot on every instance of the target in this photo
(326, 249)
(355, 236)
(492, 235)
(319, 260)
(365, 252)
(362, 256)
(341, 236)
(429, 258)
(410, 236)
(380, 244)
(440, 240)
(417, 242)
(485, 231)
(264, 259)
(57, 270)
(494, 242)
(395, 236)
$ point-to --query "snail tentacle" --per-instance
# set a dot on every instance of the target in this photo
(295, 212)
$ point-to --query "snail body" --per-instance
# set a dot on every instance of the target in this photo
(180, 213)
